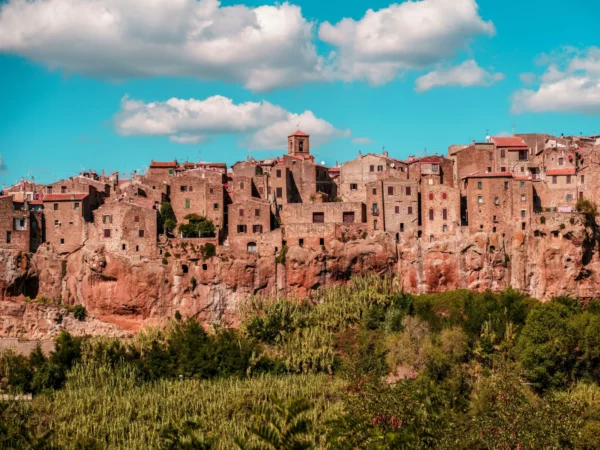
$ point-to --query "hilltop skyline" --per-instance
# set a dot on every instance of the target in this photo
(103, 85)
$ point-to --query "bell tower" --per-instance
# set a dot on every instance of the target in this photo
(299, 144)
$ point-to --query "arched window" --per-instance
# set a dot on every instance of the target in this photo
(252, 248)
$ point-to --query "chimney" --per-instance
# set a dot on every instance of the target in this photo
(385, 153)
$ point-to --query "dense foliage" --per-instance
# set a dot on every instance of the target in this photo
(197, 226)
(167, 217)
(360, 366)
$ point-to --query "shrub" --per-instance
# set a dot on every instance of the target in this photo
(587, 208)
(562, 226)
(543, 220)
(197, 226)
(281, 256)
(165, 261)
(167, 216)
(79, 312)
(208, 250)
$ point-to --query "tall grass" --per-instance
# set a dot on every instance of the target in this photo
(112, 406)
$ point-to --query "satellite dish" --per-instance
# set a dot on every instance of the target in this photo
(393, 165)
(322, 163)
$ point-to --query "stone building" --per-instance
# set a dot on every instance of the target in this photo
(475, 158)
(21, 227)
(558, 191)
(440, 211)
(80, 185)
(436, 170)
(161, 171)
(512, 155)
(199, 191)
(357, 173)
(126, 228)
(393, 205)
(498, 202)
(65, 217)
(247, 221)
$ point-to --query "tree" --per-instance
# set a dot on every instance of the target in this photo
(197, 226)
(167, 217)
(280, 426)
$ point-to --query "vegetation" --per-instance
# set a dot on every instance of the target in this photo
(362, 365)
(167, 215)
(197, 226)
(208, 250)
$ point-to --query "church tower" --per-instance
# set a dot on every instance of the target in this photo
(299, 144)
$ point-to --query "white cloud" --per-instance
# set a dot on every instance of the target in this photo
(466, 74)
(362, 140)
(264, 47)
(570, 85)
(528, 78)
(259, 125)
(410, 35)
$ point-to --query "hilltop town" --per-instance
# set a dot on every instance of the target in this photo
(436, 222)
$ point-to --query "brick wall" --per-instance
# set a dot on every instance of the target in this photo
(440, 210)
(475, 158)
(331, 212)
(248, 220)
(65, 224)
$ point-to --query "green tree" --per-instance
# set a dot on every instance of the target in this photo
(280, 426)
(183, 438)
(197, 226)
(167, 216)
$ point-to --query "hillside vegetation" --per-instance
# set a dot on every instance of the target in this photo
(361, 366)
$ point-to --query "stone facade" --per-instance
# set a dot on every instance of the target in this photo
(440, 211)
(248, 220)
(65, 217)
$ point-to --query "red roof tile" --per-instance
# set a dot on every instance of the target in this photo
(431, 160)
(299, 133)
(512, 141)
(63, 197)
(162, 165)
(567, 171)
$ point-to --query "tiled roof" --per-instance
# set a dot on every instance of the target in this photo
(35, 202)
(431, 159)
(489, 175)
(566, 171)
(299, 133)
(162, 165)
(63, 197)
(512, 141)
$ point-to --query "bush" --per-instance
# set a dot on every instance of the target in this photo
(79, 312)
(197, 226)
(167, 216)
(208, 250)
(281, 256)
(543, 220)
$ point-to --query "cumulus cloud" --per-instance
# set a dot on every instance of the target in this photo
(3, 168)
(528, 78)
(259, 125)
(409, 35)
(464, 75)
(263, 48)
(362, 140)
(570, 85)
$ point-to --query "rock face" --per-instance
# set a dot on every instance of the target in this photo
(121, 294)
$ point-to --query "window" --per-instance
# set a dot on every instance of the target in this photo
(278, 173)
(63, 189)
(375, 225)
(444, 196)
(241, 213)
(371, 168)
(62, 241)
(444, 214)
(106, 219)
(257, 228)
(568, 179)
(479, 185)
(554, 179)
(301, 242)
(523, 198)
(123, 247)
(205, 266)
(8, 237)
(522, 155)
(106, 232)
(407, 190)
(374, 191)
(141, 233)
(502, 154)
(318, 217)
(496, 201)
(375, 209)
(56, 207)
(348, 217)
(401, 228)
(279, 192)
(183, 188)
(582, 179)
(431, 214)
(490, 156)
(409, 211)
(76, 206)
(216, 206)
(522, 184)
(506, 185)
(522, 169)
(136, 219)
(187, 203)
(56, 223)
(170, 171)
(137, 248)
(503, 169)
(523, 212)
(561, 161)
(431, 238)
(495, 219)
(522, 225)
(493, 229)
(396, 209)
(49, 190)
(431, 196)
(301, 146)
(211, 190)
(390, 190)
(430, 182)
(444, 228)
(353, 186)
(480, 199)
(241, 185)
(241, 228)
(379, 168)
(321, 241)
(569, 198)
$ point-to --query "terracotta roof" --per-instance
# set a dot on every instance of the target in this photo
(299, 133)
(512, 141)
(489, 175)
(162, 165)
(521, 178)
(566, 171)
(63, 197)
(35, 202)
(431, 159)
(124, 181)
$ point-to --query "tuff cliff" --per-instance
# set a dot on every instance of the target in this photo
(558, 256)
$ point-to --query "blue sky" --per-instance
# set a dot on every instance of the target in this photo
(79, 96)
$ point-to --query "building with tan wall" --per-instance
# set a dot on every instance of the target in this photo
(440, 211)
(248, 219)
(18, 225)
(65, 217)
(393, 205)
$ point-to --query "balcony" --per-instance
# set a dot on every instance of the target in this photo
(375, 212)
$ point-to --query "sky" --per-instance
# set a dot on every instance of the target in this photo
(112, 84)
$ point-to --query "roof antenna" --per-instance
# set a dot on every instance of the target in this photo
(513, 128)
